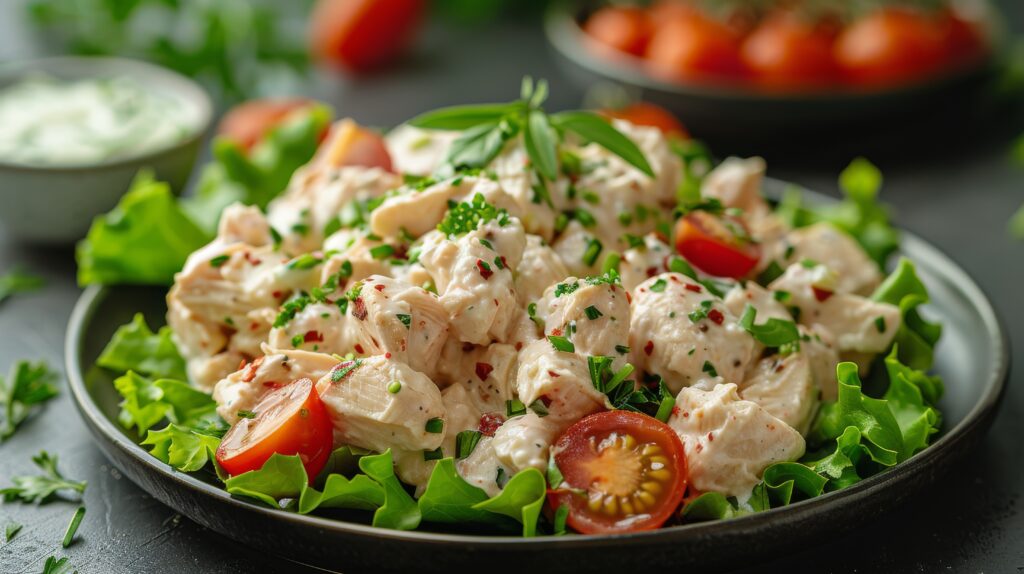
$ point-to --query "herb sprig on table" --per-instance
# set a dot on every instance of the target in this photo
(27, 385)
(17, 281)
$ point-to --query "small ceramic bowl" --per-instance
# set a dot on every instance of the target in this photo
(55, 204)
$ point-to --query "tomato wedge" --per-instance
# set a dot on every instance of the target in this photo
(717, 245)
(291, 420)
(249, 122)
(351, 144)
(623, 472)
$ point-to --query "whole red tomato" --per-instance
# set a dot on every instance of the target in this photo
(623, 28)
(891, 46)
(363, 35)
(785, 52)
(694, 47)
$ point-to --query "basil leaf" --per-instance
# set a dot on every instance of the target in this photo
(521, 499)
(134, 347)
(399, 510)
(182, 447)
(594, 128)
(773, 333)
(463, 117)
(477, 147)
(540, 140)
(144, 240)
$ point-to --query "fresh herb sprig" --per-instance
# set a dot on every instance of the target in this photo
(17, 281)
(42, 487)
(488, 127)
(27, 385)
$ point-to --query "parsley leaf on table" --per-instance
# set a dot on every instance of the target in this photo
(54, 565)
(11, 531)
(27, 385)
(17, 281)
(42, 487)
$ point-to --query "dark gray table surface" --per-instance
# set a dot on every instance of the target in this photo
(967, 522)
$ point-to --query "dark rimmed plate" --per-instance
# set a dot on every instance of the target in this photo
(743, 119)
(972, 357)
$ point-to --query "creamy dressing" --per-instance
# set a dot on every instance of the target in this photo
(47, 121)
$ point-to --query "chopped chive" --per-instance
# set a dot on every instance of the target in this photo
(626, 218)
(709, 369)
(340, 373)
(219, 260)
(73, 526)
(465, 443)
(499, 263)
(592, 251)
(539, 408)
(591, 197)
(395, 387)
(621, 349)
(12, 530)
(297, 340)
(486, 244)
(585, 218)
(382, 251)
(244, 414)
(514, 408)
(633, 241)
(593, 313)
(665, 408)
(561, 222)
(782, 296)
(880, 324)
(405, 319)
(562, 344)
(436, 454)
(659, 285)
(561, 515)
(435, 426)
(611, 262)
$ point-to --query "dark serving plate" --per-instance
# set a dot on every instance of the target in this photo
(972, 357)
(743, 118)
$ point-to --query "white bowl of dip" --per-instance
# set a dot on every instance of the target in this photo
(75, 132)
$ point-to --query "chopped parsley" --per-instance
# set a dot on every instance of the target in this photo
(514, 408)
(435, 426)
(41, 488)
(562, 344)
(467, 216)
(243, 414)
(621, 349)
(709, 369)
(701, 313)
(465, 443)
(539, 408)
(219, 260)
(382, 251)
(774, 333)
(344, 369)
(593, 313)
(405, 319)
(659, 285)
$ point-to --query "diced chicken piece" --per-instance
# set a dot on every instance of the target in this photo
(825, 244)
(644, 261)
(512, 168)
(353, 259)
(540, 268)
(524, 442)
(318, 327)
(317, 194)
(785, 387)
(417, 212)
(593, 314)
(764, 301)
(398, 320)
(482, 467)
(244, 388)
(525, 329)
(858, 324)
(820, 349)
(729, 441)
(737, 183)
(417, 151)
(473, 275)
(244, 224)
(370, 411)
(605, 170)
(560, 381)
(488, 372)
(683, 333)
(580, 250)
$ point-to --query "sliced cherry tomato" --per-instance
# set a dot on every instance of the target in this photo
(890, 46)
(249, 122)
(694, 47)
(625, 472)
(785, 52)
(647, 114)
(291, 420)
(624, 28)
(717, 245)
(363, 35)
(351, 144)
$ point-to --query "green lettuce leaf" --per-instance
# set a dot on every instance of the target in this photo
(710, 506)
(860, 214)
(147, 402)
(450, 499)
(782, 479)
(358, 493)
(916, 337)
(522, 500)
(256, 177)
(134, 347)
(399, 510)
(906, 398)
(841, 466)
(182, 447)
(144, 240)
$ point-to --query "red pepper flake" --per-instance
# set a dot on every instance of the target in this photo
(629, 298)
(276, 294)
(485, 269)
(242, 364)
(699, 448)
(313, 337)
(272, 385)
(254, 326)
(556, 332)
(716, 316)
(519, 345)
(694, 288)
(711, 437)
(251, 259)
(359, 349)
(250, 372)
(489, 422)
(649, 348)
(503, 262)
(820, 294)
(675, 411)
(483, 370)
(387, 355)
(652, 271)
(359, 309)
(553, 374)
(379, 287)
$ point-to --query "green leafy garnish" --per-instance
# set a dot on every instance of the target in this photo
(522, 500)
(182, 447)
(76, 520)
(468, 215)
(17, 281)
(450, 499)
(134, 347)
(54, 565)
(27, 385)
(144, 240)
(399, 510)
(773, 333)
(147, 402)
(43, 487)
(11, 531)
(916, 338)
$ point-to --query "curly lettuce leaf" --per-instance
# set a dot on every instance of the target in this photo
(144, 240)
(134, 347)
(259, 175)
(860, 214)
(522, 500)
(916, 337)
(181, 447)
(399, 510)
(147, 402)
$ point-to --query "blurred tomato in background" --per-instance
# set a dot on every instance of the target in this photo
(364, 35)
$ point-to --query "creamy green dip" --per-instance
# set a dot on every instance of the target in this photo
(46, 121)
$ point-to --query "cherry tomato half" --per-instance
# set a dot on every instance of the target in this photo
(291, 420)
(631, 469)
(363, 35)
(249, 122)
(624, 28)
(787, 53)
(717, 245)
(647, 114)
(351, 144)
(694, 47)
(890, 46)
